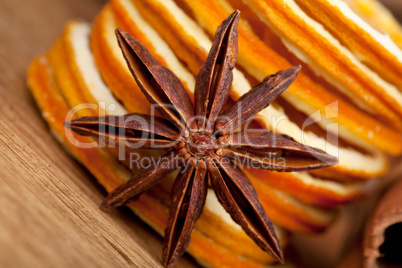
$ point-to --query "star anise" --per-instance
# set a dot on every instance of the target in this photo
(203, 142)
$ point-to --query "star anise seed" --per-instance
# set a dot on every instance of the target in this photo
(203, 142)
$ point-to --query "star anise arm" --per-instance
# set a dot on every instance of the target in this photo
(188, 199)
(159, 84)
(147, 178)
(239, 198)
(214, 80)
(258, 98)
(268, 150)
(134, 130)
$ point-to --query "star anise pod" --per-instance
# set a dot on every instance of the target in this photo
(203, 142)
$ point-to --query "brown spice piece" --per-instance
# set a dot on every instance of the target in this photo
(382, 245)
(203, 142)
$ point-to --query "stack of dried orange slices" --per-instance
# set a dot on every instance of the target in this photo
(347, 101)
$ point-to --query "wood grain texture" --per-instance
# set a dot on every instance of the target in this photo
(49, 215)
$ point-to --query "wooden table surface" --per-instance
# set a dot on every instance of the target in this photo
(49, 214)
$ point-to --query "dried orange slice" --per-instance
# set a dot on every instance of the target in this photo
(312, 44)
(74, 35)
(322, 193)
(224, 231)
(111, 174)
(112, 66)
(93, 88)
(298, 216)
(367, 165)
(305, 95)
(379, 17)
(114, 69)
(333, 196)
(309, 219)
(371, 47)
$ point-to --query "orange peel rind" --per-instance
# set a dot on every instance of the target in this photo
(379, 17)
(373, 48)
(311, 43)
